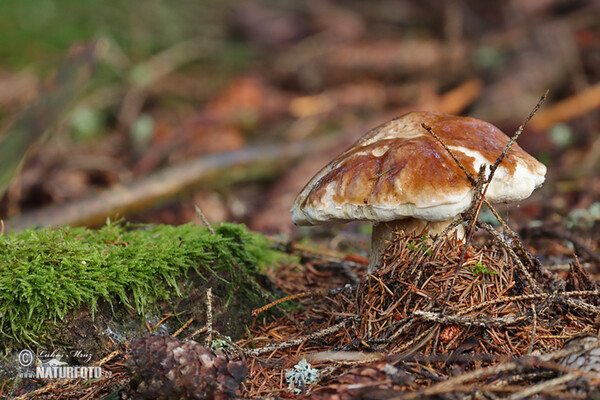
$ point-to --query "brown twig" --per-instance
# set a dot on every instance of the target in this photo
(533, 327)
(481, 322)
(203, 218)
(512, 141)
(292, 297)
(161, 321)
(454, 383)
(513, 255)
(451, 153)
(209, 317)
(280, 346)
(542, 387)
(183, 327)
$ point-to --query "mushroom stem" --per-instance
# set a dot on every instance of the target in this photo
(383, 234)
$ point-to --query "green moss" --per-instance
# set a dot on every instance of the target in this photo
(423, 246)
(480, 268)
(47, 273)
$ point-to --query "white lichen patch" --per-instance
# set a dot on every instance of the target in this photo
(301, 377)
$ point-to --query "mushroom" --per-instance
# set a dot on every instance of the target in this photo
(401, 178)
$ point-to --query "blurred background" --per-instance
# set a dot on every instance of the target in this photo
(141, 109)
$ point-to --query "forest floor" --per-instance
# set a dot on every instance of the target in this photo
(236, 120)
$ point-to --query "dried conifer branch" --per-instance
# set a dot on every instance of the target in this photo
(449, 384)
(299, 296)
(279, 346)
(533, 328)
(405, 324)
(512, 366)
(577, 293)
(513, 255)
(479, 194)
(512, 234)
(494, 167)
(420, 341)
(471, 178)
(472, 214)
(582, 305)
(209, 317)
(542, 387)
(482, 322)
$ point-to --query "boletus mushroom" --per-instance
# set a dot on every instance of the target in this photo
(399, 177)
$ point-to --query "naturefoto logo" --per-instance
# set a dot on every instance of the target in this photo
(47, 365)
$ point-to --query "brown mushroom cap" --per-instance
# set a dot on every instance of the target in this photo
(398, 170)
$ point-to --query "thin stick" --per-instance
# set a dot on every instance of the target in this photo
(288, 298)
(491, 175)
(542, 386)
(513, 255)
(499, 160)
(462, 167)
(497, 163)
(515, 137)
(209, 317)
(162, 320)
(477, 195)
(187, 323)
(533, 328)
(203, 218)
(408, 323)
(197, 332)
(450, 383)
(441, 318)
(527, 297)
(512, 234)
(420, 341)
(279, 346)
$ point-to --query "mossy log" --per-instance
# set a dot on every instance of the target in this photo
(77, 287)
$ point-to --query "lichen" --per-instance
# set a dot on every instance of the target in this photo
(301, 376)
